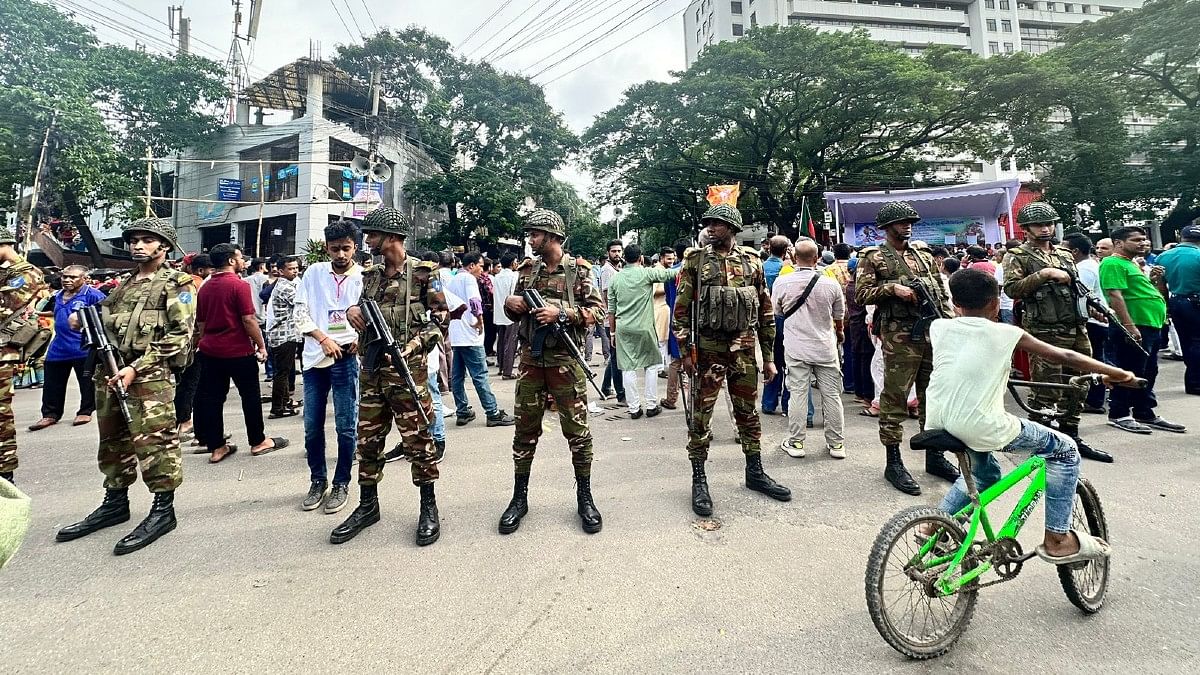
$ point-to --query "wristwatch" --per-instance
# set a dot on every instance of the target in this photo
(562, 315)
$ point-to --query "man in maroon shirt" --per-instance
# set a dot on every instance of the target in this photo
(231, 347)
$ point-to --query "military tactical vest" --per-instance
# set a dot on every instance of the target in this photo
(725, 310)
(391, 293)
(20, 330)
(563, 298)
(1051, 306)
(139, 320)
(897, 270)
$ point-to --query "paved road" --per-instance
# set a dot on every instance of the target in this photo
(249, 583)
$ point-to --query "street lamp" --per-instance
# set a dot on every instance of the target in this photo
(618, 212)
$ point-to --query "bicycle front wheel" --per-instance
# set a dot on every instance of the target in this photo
(1086, 585)
(906, 609)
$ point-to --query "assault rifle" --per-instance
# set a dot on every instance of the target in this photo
(97, 340)
(1095, 304)
(559, 328)
(384, 344)
(927, 305)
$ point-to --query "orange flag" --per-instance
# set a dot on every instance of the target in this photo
(724, 194)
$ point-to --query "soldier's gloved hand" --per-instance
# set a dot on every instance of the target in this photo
(355, 316)
(904, 293)
(515, 304)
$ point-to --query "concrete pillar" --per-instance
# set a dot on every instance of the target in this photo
(243, 113)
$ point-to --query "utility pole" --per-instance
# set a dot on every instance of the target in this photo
(184, 30)
(37, 184)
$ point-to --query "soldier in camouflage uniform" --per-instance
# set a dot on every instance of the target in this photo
(885, 277)
(727, 287)
(565, 283)
(21, 285)
(407, 295)
(150, 318)
(1042, 276)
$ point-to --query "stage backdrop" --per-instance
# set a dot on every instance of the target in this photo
(935, 232)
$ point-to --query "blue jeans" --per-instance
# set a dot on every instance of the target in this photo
(1185, 314)
(1124, 401)
(774, 389)
(437, 429)
(342, 378)
(1007, 316)
(471, 360)
(1062, 473)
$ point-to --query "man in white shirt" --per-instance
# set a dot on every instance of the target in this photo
(612, 374)
(811, 335)
(1089, 273)
(257, 279)
(466, 341)
(506, 330)
(329, 362)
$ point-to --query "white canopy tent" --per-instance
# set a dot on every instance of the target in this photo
(962, 212)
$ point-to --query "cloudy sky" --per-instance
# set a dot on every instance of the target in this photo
(559, 55)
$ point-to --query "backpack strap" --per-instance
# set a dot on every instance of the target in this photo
(157, 283)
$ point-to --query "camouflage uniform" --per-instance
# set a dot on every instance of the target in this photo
(906, 361)
(160, 332)
(383, 395)
(21, 285)
(555, 372)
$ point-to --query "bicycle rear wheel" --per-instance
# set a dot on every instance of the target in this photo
(913, 619)
(1086, 585)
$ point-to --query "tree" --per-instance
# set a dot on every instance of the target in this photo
(107, 104)
(492, 134)
(788, 112)
(1155, 52)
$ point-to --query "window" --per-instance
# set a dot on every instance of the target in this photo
(735, 7)
(753, 20)
(991, 25)
(1068, 7)
(990, 4)
(1006, 26)
(1086, 9)
(1050, 7)
(1008, 47)
(738, 31)
(993, 47)
(698, 38)
(1003, 4)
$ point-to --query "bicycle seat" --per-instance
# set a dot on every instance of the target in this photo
(936, 439)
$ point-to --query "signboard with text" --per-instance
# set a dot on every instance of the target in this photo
(367, 198)
(229, 189)
(934, 231)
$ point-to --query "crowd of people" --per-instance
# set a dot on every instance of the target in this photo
(387, 332)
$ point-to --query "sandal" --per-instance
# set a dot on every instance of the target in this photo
(286, 413)
(230, 449)
(1090, 548)
(279, 443)
(869, 412)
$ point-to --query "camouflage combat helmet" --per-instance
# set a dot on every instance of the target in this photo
(152, 225)
(896, 212)
(1036, 212)
(387, 220)
(547, 221)
(6, 236)
(726, 214)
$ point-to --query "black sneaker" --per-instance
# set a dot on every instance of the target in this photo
(439, 450)
(501, 419)
(394, 454)
(653, 412)
(316, 495)
(636, 415)
(463, 420)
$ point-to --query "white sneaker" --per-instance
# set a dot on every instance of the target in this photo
(594, 409)
(837, 451)
(793, 448)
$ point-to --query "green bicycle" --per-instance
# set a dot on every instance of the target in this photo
(926, 566)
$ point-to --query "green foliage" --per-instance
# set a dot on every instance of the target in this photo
(492, 134)
(107, 103)
(787, 112)
(314, 252)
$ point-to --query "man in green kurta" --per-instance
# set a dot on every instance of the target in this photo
(631, 320)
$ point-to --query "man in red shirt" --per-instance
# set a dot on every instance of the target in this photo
(231, 347)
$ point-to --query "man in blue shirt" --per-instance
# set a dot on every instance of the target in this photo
(778, 246)
(66, 351)
(1182, 265)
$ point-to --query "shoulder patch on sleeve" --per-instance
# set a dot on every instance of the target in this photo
(16, 282)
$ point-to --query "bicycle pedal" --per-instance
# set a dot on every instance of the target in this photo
(1027, 557)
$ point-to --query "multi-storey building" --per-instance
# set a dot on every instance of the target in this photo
(985, 27)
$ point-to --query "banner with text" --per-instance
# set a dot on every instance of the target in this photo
(935, 232)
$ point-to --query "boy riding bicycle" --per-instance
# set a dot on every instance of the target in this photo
(971, 357)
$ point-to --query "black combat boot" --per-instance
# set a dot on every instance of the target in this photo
(364, 516)
(759, 481)
(114, 510)
(897, 475)
(701, 500)
(429, 528)
(936, 464)
(510, 520)
(589, 517)
(8, 476)
(439, 451)
(160, 521)
(1086, 451)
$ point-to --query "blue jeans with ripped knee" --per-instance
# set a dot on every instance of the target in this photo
(1062, 473)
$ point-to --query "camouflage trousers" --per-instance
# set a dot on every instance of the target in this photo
(905, 362)
(149, 441)
(1042, 370)
(8, 424)
(741, 371)
(383, 397)
(567, 384)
